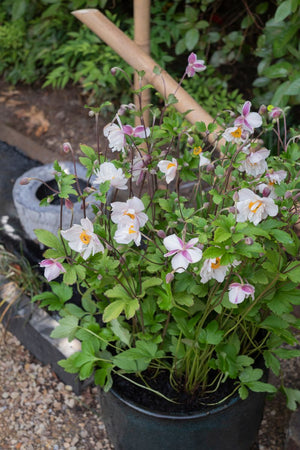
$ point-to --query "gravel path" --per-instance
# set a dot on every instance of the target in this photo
(38, 412)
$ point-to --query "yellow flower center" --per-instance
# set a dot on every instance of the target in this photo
(216, 264)
(85, 238)
(132, 216)
(131, 230)
(197, 150)
(170, 165)
(253, 206)
(237, 133)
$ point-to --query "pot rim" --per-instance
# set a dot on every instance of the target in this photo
(177, 415)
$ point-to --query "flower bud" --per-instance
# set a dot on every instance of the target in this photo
(67, 147)
(25, 181)
(235, 197)
(169, 277)
(200, 246)
(161, 234)
(99, 277)
(91, 113)
(266, 192)
(232, 210)
(113, 71)
(69, 204)
(288, 194)
(262, 110)
(248, 241)
(232, 229)
(275, 112)
(190, 140)
(205, 205)
(210, 168)
(227, 247)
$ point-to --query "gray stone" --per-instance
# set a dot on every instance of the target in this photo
(31, 214)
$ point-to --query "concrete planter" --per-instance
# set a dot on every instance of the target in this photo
(33, 326)
(27, 203)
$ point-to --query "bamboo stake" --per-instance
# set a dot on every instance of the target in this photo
(141, 16)
(139, 60)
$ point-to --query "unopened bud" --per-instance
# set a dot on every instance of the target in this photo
(235, 197)
(275, 112)
(227, 247)
(69, 204)
(262, 110)
(232, 229)
(91, 114)
(67, 147)
(169, 277)
(248, 241)
(210, 168)
(113, 71)
(266, 192)
(232, 210)
(190, 140)
(89, 190)
(99, 277)
(161, 234)
(25, 180)
(288, 194)
(200, 246)
(206, 205)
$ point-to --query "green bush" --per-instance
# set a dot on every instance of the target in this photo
(41, 40)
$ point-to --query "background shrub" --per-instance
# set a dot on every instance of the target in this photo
(251, 46)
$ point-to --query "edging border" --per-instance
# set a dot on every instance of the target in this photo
(33, 326)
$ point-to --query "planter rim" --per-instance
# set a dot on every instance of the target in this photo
(177, 415)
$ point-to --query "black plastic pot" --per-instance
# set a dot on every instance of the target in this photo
(230, 426)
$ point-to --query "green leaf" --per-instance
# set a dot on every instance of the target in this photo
(282, 236)
(279, 70)
(62, 291)
(184, 299)
(117, 292)
(243, 392)
(293, 271)
(221, 235)
(131, 307)
(294, 87)
(293, 397)
(283, 11)
(191, 38)
(48, 239)
(70, 276)
(213, 252)
(260, 386)
(113, 310)
(66, 328)
(122, 333)
(271, 362)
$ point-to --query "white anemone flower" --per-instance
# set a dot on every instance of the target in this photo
(235, 134)
(169, 168)
(53, 268)
(183, 253)
(238, 292)
(254, 208)
(108, 172)
(255, 164)
(126, 233)
(129, 212)
(203, 161)
(116, 137)
(212, 269)
(248, 120)
(82, 239)
(274, 178)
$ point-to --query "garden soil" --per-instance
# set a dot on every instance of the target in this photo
(37, 411)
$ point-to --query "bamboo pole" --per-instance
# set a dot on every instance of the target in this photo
(141, 16)
(139, 60)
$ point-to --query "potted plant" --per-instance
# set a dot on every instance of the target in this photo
(188, 279)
